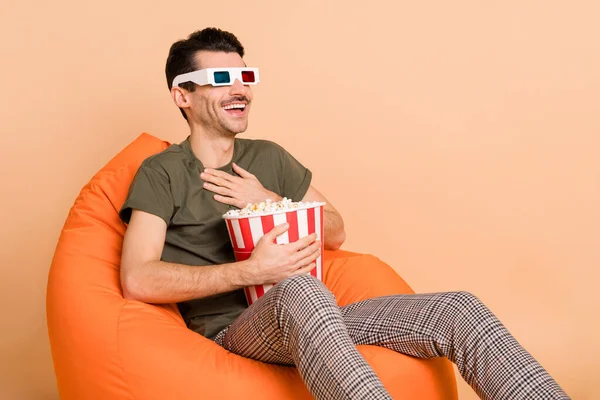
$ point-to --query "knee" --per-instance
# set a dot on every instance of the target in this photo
(465, 302)
(301, 287)
(301, 303)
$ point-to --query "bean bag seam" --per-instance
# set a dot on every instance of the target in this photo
(93, 189)
(98, 186)
(96, 182)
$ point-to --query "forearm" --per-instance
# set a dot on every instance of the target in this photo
(160, 282)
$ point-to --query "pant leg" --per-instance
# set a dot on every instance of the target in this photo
(298, 322)
(456, 325)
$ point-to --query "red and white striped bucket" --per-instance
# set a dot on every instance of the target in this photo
(244, 233)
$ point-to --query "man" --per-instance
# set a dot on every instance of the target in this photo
(177, 249)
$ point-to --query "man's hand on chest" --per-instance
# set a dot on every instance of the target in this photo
(234, 190)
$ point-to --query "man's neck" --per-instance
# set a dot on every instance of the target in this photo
(213, 150)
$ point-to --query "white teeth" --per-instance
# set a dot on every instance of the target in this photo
(232, 106)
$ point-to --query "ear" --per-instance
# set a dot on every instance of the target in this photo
(180, 97)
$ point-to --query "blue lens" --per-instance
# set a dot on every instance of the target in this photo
(222, 77)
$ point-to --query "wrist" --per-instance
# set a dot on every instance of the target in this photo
(275, 197)
(244, 273)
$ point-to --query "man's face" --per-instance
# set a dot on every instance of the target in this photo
(211, 107)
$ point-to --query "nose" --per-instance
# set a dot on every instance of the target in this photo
(238, 88)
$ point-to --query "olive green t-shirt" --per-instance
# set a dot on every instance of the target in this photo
(168, 185)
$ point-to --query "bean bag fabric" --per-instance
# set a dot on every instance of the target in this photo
(106, 347)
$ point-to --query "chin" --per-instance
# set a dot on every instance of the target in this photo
(235, 130)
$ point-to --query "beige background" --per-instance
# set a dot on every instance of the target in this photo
(459, 140)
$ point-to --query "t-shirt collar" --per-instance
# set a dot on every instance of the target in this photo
(187, 147)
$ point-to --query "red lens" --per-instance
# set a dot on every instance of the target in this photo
(248, 76)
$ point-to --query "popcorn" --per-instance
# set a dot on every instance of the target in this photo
(268, 207)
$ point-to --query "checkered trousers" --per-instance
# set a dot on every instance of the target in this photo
(298, 322)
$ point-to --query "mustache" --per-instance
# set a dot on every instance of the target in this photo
(243, 99)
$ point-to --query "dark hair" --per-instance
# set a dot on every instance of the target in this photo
(182, 54)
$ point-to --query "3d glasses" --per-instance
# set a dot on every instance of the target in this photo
(219, 76)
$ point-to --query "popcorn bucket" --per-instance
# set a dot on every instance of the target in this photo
(245, 231)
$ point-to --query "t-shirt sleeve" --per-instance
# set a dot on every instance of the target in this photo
(150, 192)
(296, 177)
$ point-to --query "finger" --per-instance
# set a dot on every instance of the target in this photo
(304, 270)
(229, 200)
(302, 242)
(218, 189)
(276, 231)
(216, 180)
(220, 175)
(308, 254)
(241, 171)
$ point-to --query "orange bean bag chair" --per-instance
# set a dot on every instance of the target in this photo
(106, 347)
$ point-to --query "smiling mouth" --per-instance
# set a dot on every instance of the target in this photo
(236, 109)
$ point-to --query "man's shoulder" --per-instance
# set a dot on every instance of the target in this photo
(261, 145)
(170, 159)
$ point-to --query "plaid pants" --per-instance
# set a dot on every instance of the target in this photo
(298, 322)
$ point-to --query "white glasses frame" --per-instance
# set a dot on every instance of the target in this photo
(206, 76)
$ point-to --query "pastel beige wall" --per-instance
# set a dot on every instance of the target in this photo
(460, 141)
